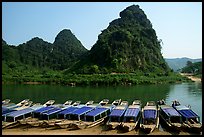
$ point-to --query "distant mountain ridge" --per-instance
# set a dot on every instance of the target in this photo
(178, 63)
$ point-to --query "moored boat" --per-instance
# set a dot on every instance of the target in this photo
(191, 121)
(150, 117)
(116, 102)
(104, 102)
(14, 106)
(79, 115)
(116, 115)
(5, 101)
(65, 115)
(76, 103)
(132, 116)
(169, 117)
(49, 103)
(19, 117)
(90, 102)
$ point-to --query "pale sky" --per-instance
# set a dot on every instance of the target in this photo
(178, 24)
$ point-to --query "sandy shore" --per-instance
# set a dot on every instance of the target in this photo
(98, 130)
(193, 78)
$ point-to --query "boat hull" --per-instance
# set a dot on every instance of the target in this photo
(177, 127)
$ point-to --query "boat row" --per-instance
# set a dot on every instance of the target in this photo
(117, 115)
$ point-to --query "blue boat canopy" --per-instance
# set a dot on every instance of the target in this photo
(43, 109)
(68, 110)
(96, 111)
(117, 112)
(150, 113)
(188, 113)
(82, 110)
(132, 112)
(170, 111)
(54, 110)
(20, 112)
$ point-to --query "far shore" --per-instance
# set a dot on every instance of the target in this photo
(193, 78)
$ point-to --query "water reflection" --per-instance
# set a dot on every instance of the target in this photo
(186, 93)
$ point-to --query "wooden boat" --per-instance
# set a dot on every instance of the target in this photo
(68, 102)
(13, 111)
(150, 117)
(132, 116)
(116, 116)
(94, 117)
(25, 105)
(104, 102)
(64, 115)
(116, 102)
(191, 121)
(78, 116)
(90, 102)
(169, 117)
(16, 118)
(76, 103)
(9, 107)
(13, 105)
(33, 120)
(50, 116)
(49, 103)
(6, 101)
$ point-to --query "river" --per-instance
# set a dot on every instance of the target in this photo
(186, 93)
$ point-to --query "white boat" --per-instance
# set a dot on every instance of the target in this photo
(116, 115)
(169, 117)
(104, 102)
(116, 102)
(132, 116)
(191, 121)
(150, 117)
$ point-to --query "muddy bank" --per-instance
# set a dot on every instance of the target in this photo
(98, 130)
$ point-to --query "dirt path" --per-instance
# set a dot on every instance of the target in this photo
(193, 78)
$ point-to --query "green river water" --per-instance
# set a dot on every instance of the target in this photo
(186, 93)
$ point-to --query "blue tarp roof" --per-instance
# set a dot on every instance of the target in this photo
(20, 112)
(6, 110)
(150, 113)
(43, 109)
(132, 112)
(54, 110)
(82, 110)
(117, 112)
(68, 110)
(170, 111)
(188, 113)
(96, 111)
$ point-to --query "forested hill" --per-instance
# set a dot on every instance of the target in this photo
(193, 68)
(38, 53)
(129, 44)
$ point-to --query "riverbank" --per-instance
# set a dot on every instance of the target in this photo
(193, 78)
(97, 79)
(91, 131)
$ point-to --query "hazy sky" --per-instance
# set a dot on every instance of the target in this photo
(178, 24)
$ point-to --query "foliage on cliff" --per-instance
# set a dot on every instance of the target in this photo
(127, 45)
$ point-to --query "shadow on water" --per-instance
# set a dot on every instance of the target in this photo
(42, 93)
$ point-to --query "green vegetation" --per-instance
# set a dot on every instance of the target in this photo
(56, 77)
(127, 45)
(193, 68)
(127, 52)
